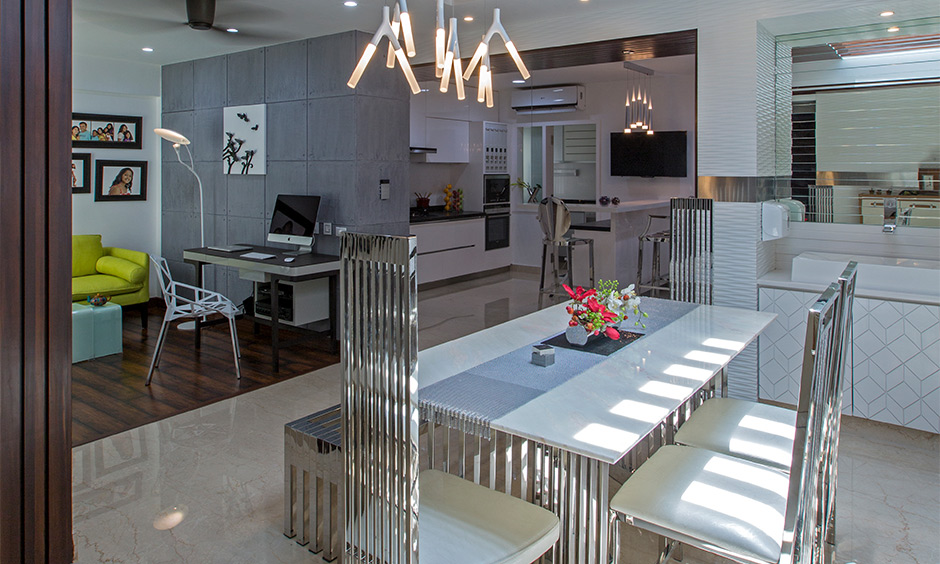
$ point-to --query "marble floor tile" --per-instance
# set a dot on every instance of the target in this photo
(207, 486)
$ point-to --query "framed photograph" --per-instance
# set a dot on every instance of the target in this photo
(104, 131)
(81, 173)
(243, 146)
(928, 178)
(120, 181)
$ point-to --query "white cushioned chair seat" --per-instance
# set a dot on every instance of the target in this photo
(463, 522)
(754, 431)
(706, 499)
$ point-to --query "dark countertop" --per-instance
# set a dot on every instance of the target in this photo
(437, 213)
(603, 225)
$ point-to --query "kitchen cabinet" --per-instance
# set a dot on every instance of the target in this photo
(448, 248)
(912, 211)
(451, 138)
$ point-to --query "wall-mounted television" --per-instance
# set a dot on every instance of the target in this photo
(638, 154)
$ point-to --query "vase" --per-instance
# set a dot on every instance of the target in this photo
(577, 335)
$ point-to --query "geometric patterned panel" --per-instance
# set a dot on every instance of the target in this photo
(894, 370)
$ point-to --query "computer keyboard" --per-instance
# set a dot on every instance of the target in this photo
(257, 256)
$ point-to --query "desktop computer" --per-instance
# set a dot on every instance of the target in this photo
(294, 220)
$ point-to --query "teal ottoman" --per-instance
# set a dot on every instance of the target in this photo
(108, 329)
(83, 332)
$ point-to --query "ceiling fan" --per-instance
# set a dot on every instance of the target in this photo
(200, 16)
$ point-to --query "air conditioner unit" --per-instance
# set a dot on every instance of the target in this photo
(548, 100)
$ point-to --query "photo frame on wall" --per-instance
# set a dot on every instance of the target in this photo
(120, 181)
(104, 131)
(243, 143)
(928, 178)
(81, 173)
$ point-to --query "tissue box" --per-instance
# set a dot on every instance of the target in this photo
(543, 355)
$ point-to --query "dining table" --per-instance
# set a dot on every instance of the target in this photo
(552, 434)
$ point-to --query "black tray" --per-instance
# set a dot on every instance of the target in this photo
(599, 344)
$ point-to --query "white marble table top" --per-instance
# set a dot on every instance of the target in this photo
(603, 412)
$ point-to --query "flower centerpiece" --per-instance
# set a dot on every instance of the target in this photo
(594, 312)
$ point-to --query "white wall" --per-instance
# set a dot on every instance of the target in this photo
(120, 87)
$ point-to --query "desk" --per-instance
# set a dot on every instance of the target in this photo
(304, 267)
(577, 430)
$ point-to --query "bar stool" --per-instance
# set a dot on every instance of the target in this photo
(658, 280)
(555, 221)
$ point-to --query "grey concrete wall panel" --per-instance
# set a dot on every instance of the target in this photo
(330, 61)
(238, 289)
(179, 189)
(216, 229)
(366, 207)
(331, 130)
(245, 196)
(177, 87)
(382, 129)
(214, 187)
(210, 83)
(180, 232)
(246, 230)
(245, 78)
(284, 178)
(207, 135)
(335, 183)
(181, 271)
(287, 131)
(378, 80)
(285, 72)
(399, 228)
(181, 122)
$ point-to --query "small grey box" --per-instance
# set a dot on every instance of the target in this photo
(543, 355)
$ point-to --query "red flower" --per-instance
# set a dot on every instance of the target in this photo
(594, 305)
(612, 333)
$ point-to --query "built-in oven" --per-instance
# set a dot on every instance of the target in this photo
(497, 226)
(496, 189)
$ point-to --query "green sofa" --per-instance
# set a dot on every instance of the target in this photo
(120, 273)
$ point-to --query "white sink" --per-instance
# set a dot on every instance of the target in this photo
(909, 276)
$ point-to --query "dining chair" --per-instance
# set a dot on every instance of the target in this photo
(739, 509)
(393, 512)
(691, 262)
(764, 433)
(657, 282)
(184, 301)
(555, 222)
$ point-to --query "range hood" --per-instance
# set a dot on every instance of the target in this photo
(422, 150)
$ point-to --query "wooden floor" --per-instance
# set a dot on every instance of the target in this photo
(109, 395)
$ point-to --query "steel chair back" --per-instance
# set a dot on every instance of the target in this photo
(554, 219)
(691, 262)
(803, 525)
(379, 336)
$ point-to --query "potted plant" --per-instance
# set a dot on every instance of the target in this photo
(530, 190)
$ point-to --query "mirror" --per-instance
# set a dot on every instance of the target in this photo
(863, 114)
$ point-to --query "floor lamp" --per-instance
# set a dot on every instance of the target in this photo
(179, 139)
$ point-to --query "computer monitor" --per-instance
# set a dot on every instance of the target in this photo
(294, 220)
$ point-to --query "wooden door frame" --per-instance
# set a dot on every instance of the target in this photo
(35, 282)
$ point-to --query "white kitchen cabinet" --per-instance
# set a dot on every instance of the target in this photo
(451, 138)
(449, 248)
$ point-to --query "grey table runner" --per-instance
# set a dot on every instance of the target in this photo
(468, 401)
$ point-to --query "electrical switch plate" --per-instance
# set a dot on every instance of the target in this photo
(327, 228)
(384, 185)
(340, 230)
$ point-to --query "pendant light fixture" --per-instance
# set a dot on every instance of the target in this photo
(396, 31)
(639, 104)
(406, 29)
(482, 53)
(439, 41)
(385, 30)
(452, 61)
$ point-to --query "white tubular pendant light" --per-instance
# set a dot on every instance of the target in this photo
(489, 81)
(496, 28)
(396, 29)
(639, 104)
(406, 30)
(452, 62)
(440, 38)
(385, 30)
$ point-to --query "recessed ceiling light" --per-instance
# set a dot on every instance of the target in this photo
(518, 81)
(468, 18)
(232, 30)
(350, 3)
(894, 28)
(887, 13)
(147, 49)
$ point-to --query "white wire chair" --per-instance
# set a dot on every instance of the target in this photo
(184, 301)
